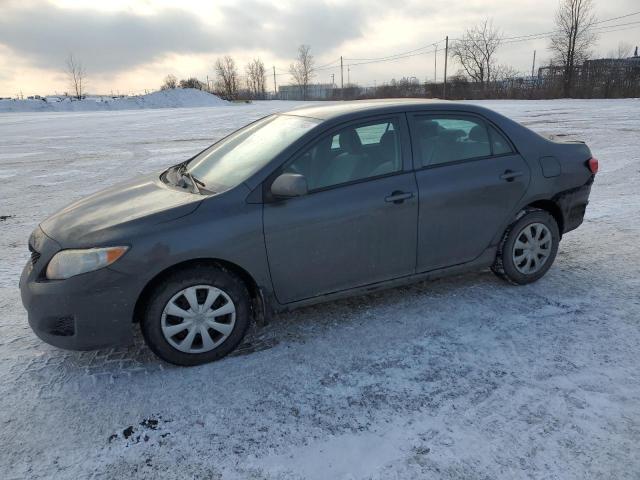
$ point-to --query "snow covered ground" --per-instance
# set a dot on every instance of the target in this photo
(174, 98)
(466, 377)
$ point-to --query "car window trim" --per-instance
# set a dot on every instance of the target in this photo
(465, 160)
(402, 122)
(423, 113)
(354, 182)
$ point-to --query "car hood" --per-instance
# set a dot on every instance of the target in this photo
(108, 214)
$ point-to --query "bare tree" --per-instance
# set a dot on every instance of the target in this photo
(575, 36)
(227, 77)
(170, 82)
(191, 82)
(302, 70)
(256, 78)
(475, 51)
(505, 73)
(77, 76)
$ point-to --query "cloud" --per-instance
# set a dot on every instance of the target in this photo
(109, 42)
(130, 44)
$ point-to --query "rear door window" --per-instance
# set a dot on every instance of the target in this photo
(441, 139)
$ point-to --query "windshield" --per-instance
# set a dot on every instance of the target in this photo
(235, 158)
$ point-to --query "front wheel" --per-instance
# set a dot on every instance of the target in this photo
(528, 248)
(196, 316)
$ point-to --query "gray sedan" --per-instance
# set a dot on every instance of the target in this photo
(302, 207)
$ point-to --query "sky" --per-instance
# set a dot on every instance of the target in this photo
(129, 46)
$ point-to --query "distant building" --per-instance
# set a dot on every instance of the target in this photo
(315, 91)
(589, 67)
(619, 65)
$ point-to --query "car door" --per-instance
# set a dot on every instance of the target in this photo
(470, 179)
(357, 224)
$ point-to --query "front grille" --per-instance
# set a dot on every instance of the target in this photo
(34, 255)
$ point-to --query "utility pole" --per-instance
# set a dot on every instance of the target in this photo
(435, 64)
(341, 74)
(275, 88)
(533, 67)
(333, 82)
(446, 55)
(348, 75)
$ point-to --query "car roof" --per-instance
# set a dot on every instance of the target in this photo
(334, 110)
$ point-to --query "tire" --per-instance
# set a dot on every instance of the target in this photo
(523, 245)
(180, 300)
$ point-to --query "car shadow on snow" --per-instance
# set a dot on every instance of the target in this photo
(296, 327)
(400, 315)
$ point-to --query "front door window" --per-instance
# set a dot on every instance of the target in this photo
(351, 154)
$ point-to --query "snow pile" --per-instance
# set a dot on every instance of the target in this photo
(175, 98)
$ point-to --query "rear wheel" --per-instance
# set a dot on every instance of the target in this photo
(528, 248)
(196, 315)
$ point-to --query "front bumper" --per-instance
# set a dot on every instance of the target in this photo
(85, 312)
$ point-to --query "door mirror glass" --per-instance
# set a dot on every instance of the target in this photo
(289, 185)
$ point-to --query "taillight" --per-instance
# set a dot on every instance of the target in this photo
(592, 163)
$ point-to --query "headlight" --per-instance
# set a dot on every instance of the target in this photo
(68, 263)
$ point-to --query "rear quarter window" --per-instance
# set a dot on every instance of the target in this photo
(499, 144)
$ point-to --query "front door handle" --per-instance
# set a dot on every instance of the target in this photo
(398, 197)
(510, 175)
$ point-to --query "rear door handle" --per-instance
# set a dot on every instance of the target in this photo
(510, 175)
(398, 197)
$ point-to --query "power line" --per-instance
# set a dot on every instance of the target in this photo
(540, 36)
(556, 31)
(530, 35)
(391, 59)
(618, 25)
(551, 32)
(429, 49)
(327, 65)
(432, 44)
(619, 30)
(617, 18)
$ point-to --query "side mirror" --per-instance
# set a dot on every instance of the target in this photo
(289, 185)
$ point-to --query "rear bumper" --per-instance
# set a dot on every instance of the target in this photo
(573, 204)
(86, 312)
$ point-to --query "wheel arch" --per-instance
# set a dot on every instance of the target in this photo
(258, 301)
(552, 208)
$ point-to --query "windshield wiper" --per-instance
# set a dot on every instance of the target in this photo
(198, 185)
